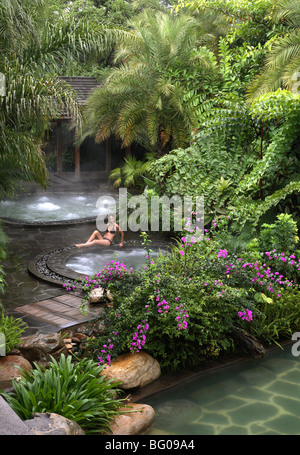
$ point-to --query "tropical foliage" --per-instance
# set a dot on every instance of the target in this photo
(186, 306)
(76, 391)
(141, 100)
(283, 56)
(32, 53)
(208, 90)
(131, 173)
(12, 329)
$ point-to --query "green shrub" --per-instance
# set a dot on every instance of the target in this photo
(75, 391)
(281, 235)
(278, 316)
(181, 307)
(12, 328)
(153, 311)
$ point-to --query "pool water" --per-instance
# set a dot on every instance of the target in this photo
(54, 207)
(257, 397)
(90, 263)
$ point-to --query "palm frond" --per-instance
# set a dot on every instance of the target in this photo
(282, 61)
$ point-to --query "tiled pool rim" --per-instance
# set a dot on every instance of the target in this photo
(54, 262)
(72, 222)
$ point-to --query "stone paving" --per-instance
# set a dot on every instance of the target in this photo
(24, 244)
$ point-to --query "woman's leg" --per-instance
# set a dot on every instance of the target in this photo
(94, 242)
(95, 235)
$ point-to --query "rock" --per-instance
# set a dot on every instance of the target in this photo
(10, 369)
(14, 351)
(51, 424)
(133, 370)
(38, 348)
(134, 420)
(80, 336)
(248, 343)
(99, 295)
(75, 340)
(10, 422)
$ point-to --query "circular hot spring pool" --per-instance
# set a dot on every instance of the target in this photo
(51, 208)
(71, 264)
(90, 263)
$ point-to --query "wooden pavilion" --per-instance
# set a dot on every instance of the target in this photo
(82, 87)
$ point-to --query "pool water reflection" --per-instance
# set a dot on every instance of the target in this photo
(257, 397)
(90, 263)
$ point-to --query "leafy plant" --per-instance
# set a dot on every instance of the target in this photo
(130, 173)
(281, 235)
(140, 97)
(277, 318)
(76, 391)
(12, 329)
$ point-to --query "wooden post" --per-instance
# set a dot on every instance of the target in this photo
(108, 155)
(128, 151)
(77, 160)
(58, 148)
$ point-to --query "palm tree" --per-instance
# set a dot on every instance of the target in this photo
(131, 172)
(31, 54)
(140, 97)
(283, 58)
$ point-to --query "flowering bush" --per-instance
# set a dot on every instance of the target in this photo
(181, 307)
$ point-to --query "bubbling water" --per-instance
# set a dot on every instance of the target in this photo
(48, 206)
(90, 263)
(54, 207)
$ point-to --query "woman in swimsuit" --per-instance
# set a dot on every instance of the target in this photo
(97, 239)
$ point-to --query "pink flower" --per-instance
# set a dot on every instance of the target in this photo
(247, 315)
(222, 253)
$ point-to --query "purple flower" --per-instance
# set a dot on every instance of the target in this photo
(247, 315)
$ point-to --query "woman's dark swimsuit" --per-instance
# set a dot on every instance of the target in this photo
(113, 231)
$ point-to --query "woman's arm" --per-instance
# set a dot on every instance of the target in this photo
(122, 235)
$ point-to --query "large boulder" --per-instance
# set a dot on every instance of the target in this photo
(38, 348)
(133, 370)
(51, 424)
(10, 369)
(136, 419)
(10, 422)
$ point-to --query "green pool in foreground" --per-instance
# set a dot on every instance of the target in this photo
(257, 397)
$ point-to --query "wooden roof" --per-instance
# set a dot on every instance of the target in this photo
(82, 86)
